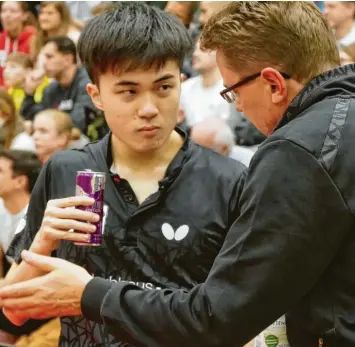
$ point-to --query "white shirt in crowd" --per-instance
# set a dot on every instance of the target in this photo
(200, 103)
(9, 225)
(23, 142)
(348, 39)
(242, 154)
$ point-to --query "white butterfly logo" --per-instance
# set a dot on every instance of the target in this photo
(178, 235)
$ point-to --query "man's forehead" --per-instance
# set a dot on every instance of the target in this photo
(142, 72)
(50, 46)
(229, 76)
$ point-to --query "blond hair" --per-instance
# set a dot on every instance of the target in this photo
(14, 123)
(63, 123)
(292, 36)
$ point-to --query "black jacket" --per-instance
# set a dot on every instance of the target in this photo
(168, 241)
(291, 250)
(73, 100)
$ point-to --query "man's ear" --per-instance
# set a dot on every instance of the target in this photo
(21, 182)
(183, 77)
(224, 149)
(94, 93)
(276, 84)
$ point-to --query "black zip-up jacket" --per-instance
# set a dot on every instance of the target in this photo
(291, 250)
(168, 241)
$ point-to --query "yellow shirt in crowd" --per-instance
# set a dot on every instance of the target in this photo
(18, 94)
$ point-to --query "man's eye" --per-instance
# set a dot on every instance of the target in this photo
(127, 92)
(165, 87)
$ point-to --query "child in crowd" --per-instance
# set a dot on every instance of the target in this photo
(18, 66)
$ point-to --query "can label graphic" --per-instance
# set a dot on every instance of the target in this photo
(273, 336)
(92, 184)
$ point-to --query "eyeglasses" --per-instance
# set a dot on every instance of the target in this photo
(229, 95)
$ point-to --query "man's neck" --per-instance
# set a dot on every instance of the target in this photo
(343, 29)
(14, 34)
(17, 202)
(146, 162)
(210, 78)
(67, 76)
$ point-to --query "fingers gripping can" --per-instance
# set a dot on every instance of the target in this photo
(92, 184)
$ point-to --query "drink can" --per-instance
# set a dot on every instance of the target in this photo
(273, 336)
(92, 184)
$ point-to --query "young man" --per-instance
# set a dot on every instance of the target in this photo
(292, 248)
(169, 202)
(68, 90)
(200, 97)
(18, 174)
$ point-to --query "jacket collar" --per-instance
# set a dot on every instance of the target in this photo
(338, 82)
(102, 152)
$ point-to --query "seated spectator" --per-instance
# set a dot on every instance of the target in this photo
(54, 20)
(208, 9)
(18, 173)
(18, 66)
(246, 134)
(184, 10)
(82, 10)
(200, 95)
(53, 131)
(215, 133)
(12, 134)
(347, 55)
(341, 17)
(16, 35)
(67, 91)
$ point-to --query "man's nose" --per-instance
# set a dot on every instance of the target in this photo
(148, 109)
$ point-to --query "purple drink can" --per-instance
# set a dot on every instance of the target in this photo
(92, 184)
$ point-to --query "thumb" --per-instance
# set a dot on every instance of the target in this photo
(42, 262)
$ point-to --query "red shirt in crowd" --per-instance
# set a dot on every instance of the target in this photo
(8, 45)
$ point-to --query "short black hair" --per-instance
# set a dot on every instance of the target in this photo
(64, 45)
(131, 36)
(23, 163)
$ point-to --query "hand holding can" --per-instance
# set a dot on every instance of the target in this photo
(61, 216)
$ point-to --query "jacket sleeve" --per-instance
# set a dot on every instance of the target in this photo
(292, 222)
(30, 108)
